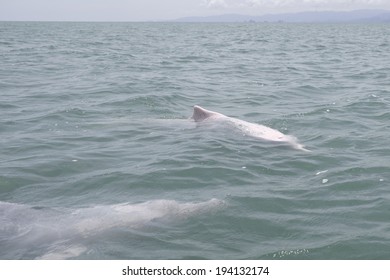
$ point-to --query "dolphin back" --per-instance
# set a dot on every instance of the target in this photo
(201, 114)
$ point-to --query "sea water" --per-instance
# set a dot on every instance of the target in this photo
(99, 159)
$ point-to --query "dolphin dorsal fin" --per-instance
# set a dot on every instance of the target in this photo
(201, 114)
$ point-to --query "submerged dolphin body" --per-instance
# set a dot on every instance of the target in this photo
(251, 129)
(60, 233)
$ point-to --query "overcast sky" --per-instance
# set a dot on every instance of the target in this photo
(145, 10)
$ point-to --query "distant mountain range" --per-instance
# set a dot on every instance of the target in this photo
(363, 16)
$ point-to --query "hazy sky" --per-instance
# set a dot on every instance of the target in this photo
(144, 10)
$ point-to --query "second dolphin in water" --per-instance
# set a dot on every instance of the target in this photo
(251, 129)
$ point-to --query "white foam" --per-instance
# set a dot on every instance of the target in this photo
(321, 172)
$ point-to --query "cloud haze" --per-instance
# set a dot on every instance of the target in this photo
(331, 4)
(145, 10)
(215, 3)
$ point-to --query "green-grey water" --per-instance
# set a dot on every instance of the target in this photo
(100, 161)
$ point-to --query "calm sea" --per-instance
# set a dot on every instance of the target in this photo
(100, 161)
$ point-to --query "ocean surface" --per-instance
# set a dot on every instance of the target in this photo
(99, 159)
